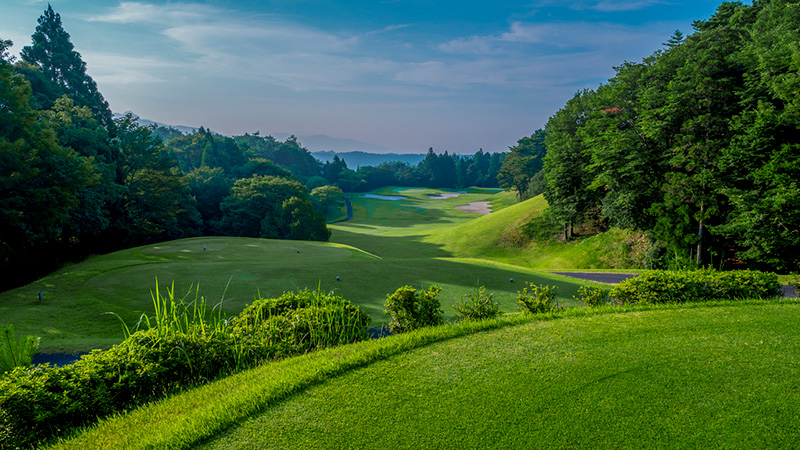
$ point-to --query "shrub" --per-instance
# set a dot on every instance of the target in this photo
(697, 285)
(179, 349)
(592, 295)
(535, 299)
(15, 352)
(409, 309)
(478, 306)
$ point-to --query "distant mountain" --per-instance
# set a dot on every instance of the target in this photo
(355, 160)
(314, 143)
(322, 143)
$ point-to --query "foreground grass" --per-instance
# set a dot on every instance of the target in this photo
(722, 375)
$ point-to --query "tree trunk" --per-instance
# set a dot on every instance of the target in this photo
(700, 235)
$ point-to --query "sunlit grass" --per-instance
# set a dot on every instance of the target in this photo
(691, 376)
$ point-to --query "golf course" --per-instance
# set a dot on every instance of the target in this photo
(720, 374)
(388, 244)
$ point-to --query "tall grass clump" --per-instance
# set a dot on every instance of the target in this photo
(15, 352)
(661, 286)
(409, 309)
(181, 345)
(477, 306)
(535, 299)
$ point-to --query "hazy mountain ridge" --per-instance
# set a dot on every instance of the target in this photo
(355, 159)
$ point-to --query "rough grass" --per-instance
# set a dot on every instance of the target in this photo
(711, 375)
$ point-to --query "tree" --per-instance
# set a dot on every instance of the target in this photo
(155, 202)
(326, 197)
(566, 164)
(39, 182)
(263, 207)
(54, 54)
(523, 162)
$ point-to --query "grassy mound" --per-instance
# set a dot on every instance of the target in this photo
(498, 237)
(698, 376)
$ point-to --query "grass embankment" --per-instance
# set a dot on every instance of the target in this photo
(386, 251)
(497, 237)
(721, 375)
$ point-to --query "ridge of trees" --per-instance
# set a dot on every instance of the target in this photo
(697, 145)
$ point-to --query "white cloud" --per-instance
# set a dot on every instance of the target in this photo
(109, 68)
(137, 12)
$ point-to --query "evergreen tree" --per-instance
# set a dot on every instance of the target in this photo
(53, 53)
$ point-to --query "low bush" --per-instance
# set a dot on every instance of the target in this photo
(477, 306)
(409, 309)
(535, 299)
(592, 295)
(15, 352)
(660, 286)
(175, 352)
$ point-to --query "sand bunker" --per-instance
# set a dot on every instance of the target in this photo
(476, 207)
(445, 195)
(384, 197)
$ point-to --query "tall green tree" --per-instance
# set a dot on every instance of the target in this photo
(39, 182)
(53, 53)
(522, 163)
(567, 164)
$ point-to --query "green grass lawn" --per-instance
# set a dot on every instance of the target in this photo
(710, 377)
(688, 376)
(383, 248)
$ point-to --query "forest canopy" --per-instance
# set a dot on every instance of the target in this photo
(696, 145)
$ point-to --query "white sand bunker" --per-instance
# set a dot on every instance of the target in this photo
(445, 195)
(476, 207)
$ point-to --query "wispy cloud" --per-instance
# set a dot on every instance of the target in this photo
(391, 28)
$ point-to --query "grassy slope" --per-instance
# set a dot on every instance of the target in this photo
(496, 237)
(722, 377)
(664, 377)
(387, 249)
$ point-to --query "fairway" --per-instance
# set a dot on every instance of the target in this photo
(384, 247)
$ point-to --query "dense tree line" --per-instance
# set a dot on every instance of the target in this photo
(697, 144)
(74, 181)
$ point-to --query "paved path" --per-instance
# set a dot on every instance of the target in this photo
(610, 278)
(349, 211)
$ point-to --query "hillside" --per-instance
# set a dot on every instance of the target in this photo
(497, 236)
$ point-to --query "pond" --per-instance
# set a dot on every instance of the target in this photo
(384, 197)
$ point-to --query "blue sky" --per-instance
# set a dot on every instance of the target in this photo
(402, 74)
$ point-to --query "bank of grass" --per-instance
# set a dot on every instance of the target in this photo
(720, 374)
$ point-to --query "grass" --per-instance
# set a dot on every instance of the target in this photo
(710, 375)
(383, 248)
(497, 237)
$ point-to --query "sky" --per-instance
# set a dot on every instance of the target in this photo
(404, 75)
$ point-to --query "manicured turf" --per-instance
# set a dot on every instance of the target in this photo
(723, 377)
(673, 376)
(380, 250)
